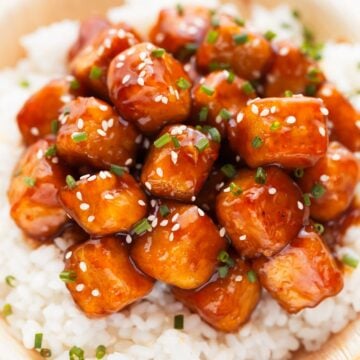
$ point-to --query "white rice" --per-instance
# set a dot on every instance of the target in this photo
(40, 300)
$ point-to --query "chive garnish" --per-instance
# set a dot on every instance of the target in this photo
(117, 169)
(240, 39)
(76, 353)
(38, 340)
(203, 114)
(212, 36)
(10, 280)
(239, 21)
(225, 258)
(191, 47)
(350, 261)
(45, 353)
(24, 84)
(275, 125)
(248, 88)
(223, 271)
(68, 276)
(307, 201)
(231, 77)
(95, 73)
(158, 53)
(313, 73)
(257, 142)
(29, 181)
(318, 191)
(70, 182)
(51, 151)
(202, 144)
(164, 210)
(252, 277)
(179, 322)
(310, 90)
(74, 84)
(207, 90)
(54, 126)
(228, 170)
(288, 93)
(270, 35)
(7, 310)
(225, 114)
(218, 66)
(141, 226)
(182, 83)
(299, 173)
(319, 228)
(100, 352)
(79, 136)
(215, 135)
(162, 140)
(235, 189)
(260, 175)
(175, 141)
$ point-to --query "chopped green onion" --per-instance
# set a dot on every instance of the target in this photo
(212, 36)
(310, 47)
(215, 135)
(248, 88)
(182, 83)
(79, 136)
(225, 258)
(100, 352)
(95, 73)
(51, 151)
(7, 310)
(74, 84)
(225, 114)
(313, 74)
(76, 353)
(179, 322)
(228, 170)
(319, 228)
(235, 189)
(70, 182)
(191, 47)
(260, 175)
(307, 201)
(117, 170)
(10, 280)
(240, 39)
(54, 126)
(275, 125)
(252, 277)
(318, 191)
(158, 53)
(299, 173)
(68, 276)
(38, 340)
(29, 181)
(218, 66)
(285, 25)
(215, 21)
(207, 90)
(202, 144)
(203, 114)
(257, 142)
(162, 140)
(270, 35)
(24, 84)
(175, 142)
(180, 9)
(231, 77)
(141, 226)
(45, 353)
(239, 21)
(223, 271)
(350, 261)
(164, 210)
(288, 93)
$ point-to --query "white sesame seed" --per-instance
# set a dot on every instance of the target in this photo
(164, 222)
(324, 111)
(138, 139)
(324, 177)
(146, 144)
(79, 195)
(84, 177)
(175, 217)
(128, 161)
(242, 237)
(140, 81)
(218, 119)
(284, 51)
(171, 236)
(109, 197)
(121, 33)
(91, 178)
(141, 202)
(153, 203)
(238, 158)
(131, 51)
(322, 131)
(226, 190)
(104, 125)
(55, 160)
(101, 132)
(91, 218)
(141, 66)
(102, 175)
(157, 98)
(336, 157)
(84, 206)
(239, 117)
(200, 212)
(265, 112)
(66, 98)
(272, 191)
(119, 65)
(126, 78)
(193, 198)
(103, 107)
(95, 293)
(238, 278)
(142, 55)
(80, 123)
(222, 232)
(151, 217)
(164, 100)
(219, 186)
(110, 123)
(40, 154)
(290, 119)
(254, 109)
(174, 157)
(176, 227)
(154, 223)
(357, 123)
(68, 255)
(128, 239)
(148, 185)
(34, 131)
(273, 109)
(159, 172)
(82, 266)
(108, 174)
(177, 94)
(300, 205)
(79, 287)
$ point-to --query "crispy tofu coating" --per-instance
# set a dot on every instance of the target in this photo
(291, 132)
(292, 71)
(179, 162)
(230, 45)
(301, 275)
(91, 64)
(331, 183)
(33, 192)
(344, 119)
(182, 247)
(39, 115)
(149, 87)
(262, 211)
(220, 97)
(104, 279)
(225, 303)
(105, 203)
(180, 30)
(92, 133)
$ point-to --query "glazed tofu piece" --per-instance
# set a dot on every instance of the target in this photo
(301, 275)
(104, 203)
(102, 278)
(181, 248)
(220, 97)
(261, 210)
(178, 163)
(225, 303)
(149, 87)
(331, 183)
(179, 30)
(344, 120)
(89, 30)
(33, 192)
(39, 115)
(293, 71)
(91, 64)
(92, 133)
(229, 45)
(291, 132)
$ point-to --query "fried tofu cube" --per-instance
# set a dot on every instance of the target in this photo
(101, 277)
(33, 192)
(38, 117)
(219, 98)
(227, 302)
(301, 275)
(344, 120)
(105, 203)
(292, 70)
(261, 210)
(179, 162)
(182, 247)
(331, 182)
(91, 64)
(149, 87)
(291, 132)
(92, 133)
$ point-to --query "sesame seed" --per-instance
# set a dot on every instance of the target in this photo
(324, 111)
(108, 196)
(357, 123)
(119, 65)
(151, 217)
(91, 178)
(103, 107)
(265, 112)
(159, 172)
(200, 212)
(148, 185)
(140, 81)
(68, 255)
(131, 51)
(171, 236)
(128, 239)
(164, 222)
(138, 139)
(175, 217)
(102, 175)
(154, 223)
(153, 203)
(273, 109)
(176, 227)
(110, 123)
(142, 74)
(91, 218)
(84, 177)
(141, 202)
(79, 195)
(336, 157)
(142, 55)
(238, 158)
(95, 293)
(238, 278)
(272, 191)
(239, 117)
(55, 160)
(300, 205)
(157, 98)
(284, 51)
(82, 266)
(254, 109)
(174, 157)
(164, 100)
(79, 287)
(219, 186)
(101, 132)
(222, 232)
(177, 94)
(226, 190)
(84, 206)
(66, 98)
(324, 177)
(193, 198)
(104, 125)
(242, 237)
(141, 66)
(40, 154)
(218, 119)
(125, 79)
(128, 161)
(121, 33)
(80, 123)
(290, 119)
(34, 131)
(322, 131)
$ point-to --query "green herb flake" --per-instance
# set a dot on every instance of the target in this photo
(162, 140)
(179, 322)
(319, 228)
(68, 276)
(117, 170)
(54, 126)
(350, 261)
(142, 226)
(252, 277)
(223, 271)
(212, 36)
(70, 182)
(225, 114)
(235, 189)
(95, 73)
(158, 53)
(260, 176)
(270, 35)
(10, 281)
(7, 310)
(38, 340)
(79, 136)
(176, 142)
(164, 210)
(215, 134)
(45, 353)
(313, 74)
(100, 352)
(285, 25)
(51, 151)
(240, 39)
(239, 21)
(29, 181)
(191, 47)
(225, 258)
(24, 84)
(203, 113)
(218, 66)
(74, 84)
(76, 353)
(228, 170)
(183, 84)
(318, 191)
(299, 173)
(202, 144)
(276, 125)
(288, 93)
(207, 90)
(257, 142)
(307, 200)
(248, 88)
(230, 77)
